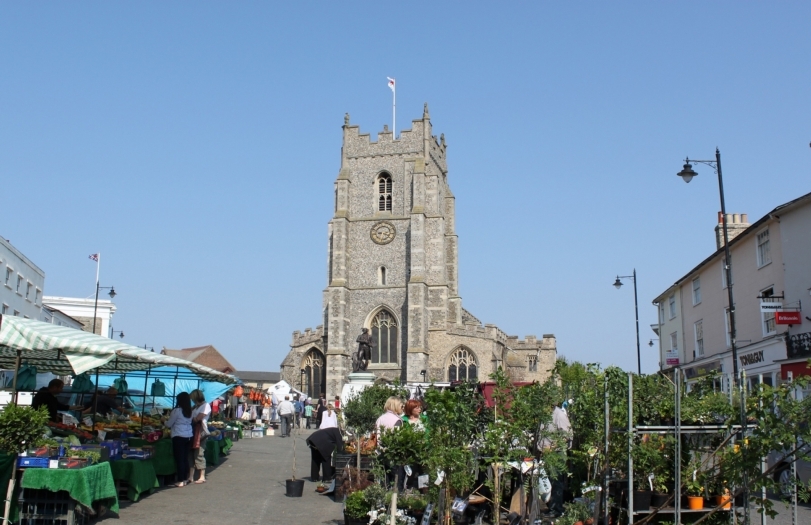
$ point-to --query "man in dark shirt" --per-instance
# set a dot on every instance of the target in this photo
(47, 397)
(106, 403)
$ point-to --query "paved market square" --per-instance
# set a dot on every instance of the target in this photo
(247, 487)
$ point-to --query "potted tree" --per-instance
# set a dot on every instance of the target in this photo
(295, 487)
(356, 509)
(20, 428)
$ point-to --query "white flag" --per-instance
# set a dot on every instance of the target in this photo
(391, 83)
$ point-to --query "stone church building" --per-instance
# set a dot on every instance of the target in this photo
(393, 268)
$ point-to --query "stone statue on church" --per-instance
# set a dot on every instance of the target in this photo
(362, 357)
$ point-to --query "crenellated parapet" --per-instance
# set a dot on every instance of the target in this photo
(309, 336)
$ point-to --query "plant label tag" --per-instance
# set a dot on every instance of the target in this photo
(67, 419)
(422, 481)
(53, 463)
(102, 435)
(88, 421)
(408, 471)
(426, 517)
(440, 475)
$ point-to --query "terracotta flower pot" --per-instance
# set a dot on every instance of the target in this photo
(724, 501)
(695, 502)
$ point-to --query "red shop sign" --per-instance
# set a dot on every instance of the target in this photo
(788, 318)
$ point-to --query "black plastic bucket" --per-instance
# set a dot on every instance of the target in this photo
(295, 487)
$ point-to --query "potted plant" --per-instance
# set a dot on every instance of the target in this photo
(356, 509)
(414, 505)
(694, 487)
(646, 456)
(21, 428)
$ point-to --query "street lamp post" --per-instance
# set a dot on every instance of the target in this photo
(96, 304)
(618, 285)
(113, 332)
(687, 173)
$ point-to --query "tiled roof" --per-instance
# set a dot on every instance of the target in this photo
(203, 355)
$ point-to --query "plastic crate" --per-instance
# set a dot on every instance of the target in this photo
(233, 435)
(43, 507)
(351, 460)
(31, 462)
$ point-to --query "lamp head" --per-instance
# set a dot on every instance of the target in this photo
(618, 283)
(112, 292)
(650, 343)
(687, 173)
(121, 334)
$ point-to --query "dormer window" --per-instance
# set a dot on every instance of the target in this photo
(384, 192)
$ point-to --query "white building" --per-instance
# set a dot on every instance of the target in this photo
(81, 310)
(22, 283)
(771, 278)
(59, 318)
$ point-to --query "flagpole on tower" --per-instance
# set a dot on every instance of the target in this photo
(393, 107)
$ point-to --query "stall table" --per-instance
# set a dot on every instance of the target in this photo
(214, 449)
(89, 485)
(139, 475)
(164, 459)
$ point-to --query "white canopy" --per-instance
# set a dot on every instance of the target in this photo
(65, 351)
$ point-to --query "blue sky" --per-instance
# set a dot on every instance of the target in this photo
(195, 146)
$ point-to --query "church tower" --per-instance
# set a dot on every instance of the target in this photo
(393, 268)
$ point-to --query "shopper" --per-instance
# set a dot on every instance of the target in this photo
(308, 412)
(330, 418)
(391, 418)
(298, 410)
(107, 403)
(286, 411)
(322, 444)
(319, 411)
(561, 426)
(200, 415)
(179, 422)
(337, 403)
(413, 414)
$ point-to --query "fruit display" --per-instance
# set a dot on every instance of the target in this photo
(367, 446)
(60, 429)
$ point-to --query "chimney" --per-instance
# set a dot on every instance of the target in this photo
(736, 223)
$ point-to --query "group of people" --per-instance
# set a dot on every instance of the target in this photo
(188, 423)
(102, 403)
(303, 413)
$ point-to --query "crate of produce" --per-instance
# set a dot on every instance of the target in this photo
(41, 452)
(32, 462)
(257, 433)
(351, 460)
(73, 463)
(145, 452)
(233, 435)
(43, 507)
(103, 452)
(114, 448)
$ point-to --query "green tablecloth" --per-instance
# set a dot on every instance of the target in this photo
(139, 475)
(86, 485)
(164, 459)
(214, 449)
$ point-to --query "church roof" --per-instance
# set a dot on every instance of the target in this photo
(468, 317)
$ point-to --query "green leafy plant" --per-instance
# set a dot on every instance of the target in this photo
(22, 428)
(412, 502)
(403, 446)
(356, 505)
(360, 413)
(573, 513)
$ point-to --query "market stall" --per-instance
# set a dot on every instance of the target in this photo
(90, 460)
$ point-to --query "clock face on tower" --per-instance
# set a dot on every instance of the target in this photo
(383, 232)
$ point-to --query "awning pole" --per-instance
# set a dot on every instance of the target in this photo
(174, 385)
(96, 396)
(143, 406)
(16, 373)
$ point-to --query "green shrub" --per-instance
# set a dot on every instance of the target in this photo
(22, 428)
(356, 506)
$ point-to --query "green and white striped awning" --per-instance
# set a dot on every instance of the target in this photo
(65, 351)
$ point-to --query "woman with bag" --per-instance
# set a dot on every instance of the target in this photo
(179, 422)
(199, 415)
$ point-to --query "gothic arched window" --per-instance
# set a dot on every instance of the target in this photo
(313, 374)
(462, 366)
(384, 192)
(384, 332)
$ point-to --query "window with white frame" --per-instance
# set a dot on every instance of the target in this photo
(5, 309)
(9, 272)
(19, 284)
(724, 272)
(764, 255)
(16, 313)
(38, 297)
(768, 317)
(698, 328)
(671, 301)
(28, 288)
(674, 342)
(696, 290)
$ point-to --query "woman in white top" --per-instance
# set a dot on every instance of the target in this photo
(330, 418)
(180, 424)
(199, 415)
